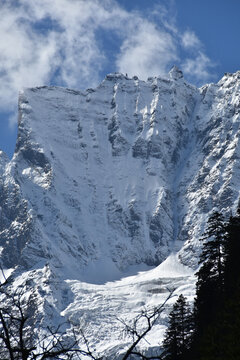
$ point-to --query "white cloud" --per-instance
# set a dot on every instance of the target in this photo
(198, 67)
(56, 42)
(25, 57)
(148, 51)
(190, 40)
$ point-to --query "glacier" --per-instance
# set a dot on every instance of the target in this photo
(108, 192)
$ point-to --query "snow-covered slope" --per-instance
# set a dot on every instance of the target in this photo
(111, 180)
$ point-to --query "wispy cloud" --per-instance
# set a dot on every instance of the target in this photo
(57, 42)
(190, 40)
(199, 67)
(146, 52)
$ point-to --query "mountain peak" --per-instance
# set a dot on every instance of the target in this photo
(175, 73)
(109, 181)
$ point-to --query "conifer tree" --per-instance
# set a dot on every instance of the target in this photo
(232, 250)
(209, 287)
(228, 326)
(213, 246)
(178, 334)
(217, 303)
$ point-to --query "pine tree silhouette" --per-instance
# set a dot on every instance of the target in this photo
(210, 283)
(178, 335)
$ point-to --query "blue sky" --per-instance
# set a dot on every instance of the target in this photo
(75, 43)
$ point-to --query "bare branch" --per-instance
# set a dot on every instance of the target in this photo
(5, 279)
(151, 318)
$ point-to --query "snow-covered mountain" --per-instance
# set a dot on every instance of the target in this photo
(112, 180)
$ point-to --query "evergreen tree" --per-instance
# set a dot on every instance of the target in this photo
(220, 339)
(232, 250)
(213, 247)
(209, 287)
(216, 331)
(228, 334)
(177, 338)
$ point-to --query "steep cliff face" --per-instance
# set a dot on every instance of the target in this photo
(212, 167)
(116, 177)
(126, 172)
(97, 170)
(15, 216)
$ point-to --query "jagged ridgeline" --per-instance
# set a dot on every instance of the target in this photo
(117, 176)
